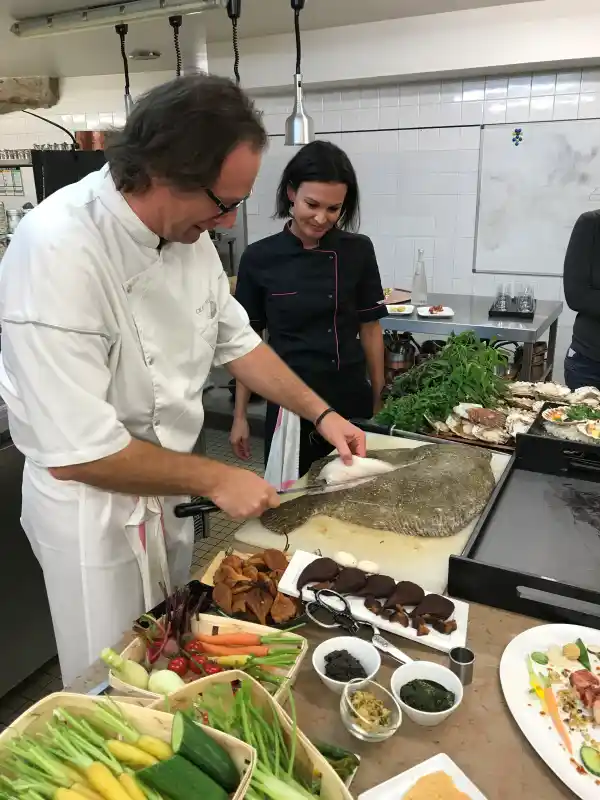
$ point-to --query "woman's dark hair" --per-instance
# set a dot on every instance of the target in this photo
(322, 162)
(182, 131)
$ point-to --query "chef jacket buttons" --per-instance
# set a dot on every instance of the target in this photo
(329, 330)
(128, 289)
(331, 297)
(149, 361)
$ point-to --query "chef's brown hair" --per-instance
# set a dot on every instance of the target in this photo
(182, 131)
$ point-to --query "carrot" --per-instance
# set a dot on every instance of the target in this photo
(222, 650)
(230, 639)
(556, 719)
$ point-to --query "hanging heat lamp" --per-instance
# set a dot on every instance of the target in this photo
(234, 10)
(299, 127)
(121, 30)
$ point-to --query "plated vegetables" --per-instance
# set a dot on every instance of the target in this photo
(564, 681)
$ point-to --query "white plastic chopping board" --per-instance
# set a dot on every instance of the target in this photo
(437, 641)
(418, 558)
(538, 729)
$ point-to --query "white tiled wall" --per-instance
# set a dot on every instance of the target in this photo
(416, 151)
(88, 103)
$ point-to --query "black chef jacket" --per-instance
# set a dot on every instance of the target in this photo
(312, 302)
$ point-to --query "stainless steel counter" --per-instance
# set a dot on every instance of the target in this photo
(471, 313)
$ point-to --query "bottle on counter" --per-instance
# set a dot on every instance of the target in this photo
(3, 221)
(419, 286)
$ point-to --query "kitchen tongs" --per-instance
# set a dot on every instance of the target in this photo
(203, 505)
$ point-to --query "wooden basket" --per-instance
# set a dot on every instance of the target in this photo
(210, 624)
(310, 762)
(146, 720)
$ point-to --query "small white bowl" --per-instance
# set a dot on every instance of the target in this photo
(431, 671)
(363, 651)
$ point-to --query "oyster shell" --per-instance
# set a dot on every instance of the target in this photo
(491, 435)
(551, 391)
(519, 422)
(462, 409)
(523, 402)
(521, 388)
(584, 393)
(440, 427)
(488, 417)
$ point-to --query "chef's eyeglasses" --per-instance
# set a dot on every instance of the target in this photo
(223, 207)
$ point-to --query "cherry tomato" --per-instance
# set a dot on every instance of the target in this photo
(212, 669)
(198, 663)
(178, 665)
(194, 647)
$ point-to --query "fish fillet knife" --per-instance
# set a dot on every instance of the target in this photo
(203, 505)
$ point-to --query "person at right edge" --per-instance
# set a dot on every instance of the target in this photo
(315, 287)
(582, 292)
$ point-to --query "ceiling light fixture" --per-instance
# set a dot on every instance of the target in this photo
(93, 17)
(234, 10)
(299, 127)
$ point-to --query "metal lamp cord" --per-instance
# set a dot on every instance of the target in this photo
(236, 50)
(122, 29)
(298, 44)
(175, 22)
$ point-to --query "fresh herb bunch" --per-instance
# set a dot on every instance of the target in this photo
(464, 371)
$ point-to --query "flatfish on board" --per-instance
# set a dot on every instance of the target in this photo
(435, 490)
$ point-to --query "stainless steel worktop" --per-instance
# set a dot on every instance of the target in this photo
(471, 313)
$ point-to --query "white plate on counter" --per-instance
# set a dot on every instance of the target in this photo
(397, 787)
(437, 641)
(400, 310)
(536, 727)
(445, 313)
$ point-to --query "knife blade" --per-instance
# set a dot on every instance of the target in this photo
(204, 506)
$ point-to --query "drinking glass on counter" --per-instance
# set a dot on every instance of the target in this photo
(525, 299)
(503, 297)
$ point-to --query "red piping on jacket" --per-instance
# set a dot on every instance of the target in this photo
(360, 310)
(282, 294)
(335, 263)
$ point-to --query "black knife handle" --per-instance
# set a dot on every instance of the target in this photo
(194, 509)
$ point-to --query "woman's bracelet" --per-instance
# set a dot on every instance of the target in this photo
(322, 416)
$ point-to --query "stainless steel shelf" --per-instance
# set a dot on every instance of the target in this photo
(10, 162)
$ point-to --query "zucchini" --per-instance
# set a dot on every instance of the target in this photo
(192, 742)
(591, 759)
(178, 779)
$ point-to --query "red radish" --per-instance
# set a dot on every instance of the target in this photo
(171, 648)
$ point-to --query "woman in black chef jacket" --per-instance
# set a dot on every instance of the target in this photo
(315, 287)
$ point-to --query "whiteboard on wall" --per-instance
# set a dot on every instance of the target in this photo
(530, 195)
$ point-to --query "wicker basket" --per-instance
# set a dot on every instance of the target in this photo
(206, 624)
(309, 761)
(146, 720)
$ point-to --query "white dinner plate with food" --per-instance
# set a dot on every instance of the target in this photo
(443, 642)
(552, 742)
(435, 312)
(439, 776)
(400, 310)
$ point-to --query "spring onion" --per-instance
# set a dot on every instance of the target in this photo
(276, 776)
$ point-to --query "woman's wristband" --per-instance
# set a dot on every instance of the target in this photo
(322, 416)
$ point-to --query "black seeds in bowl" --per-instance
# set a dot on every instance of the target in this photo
(340, 665)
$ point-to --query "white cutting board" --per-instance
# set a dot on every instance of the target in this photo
(423, 560)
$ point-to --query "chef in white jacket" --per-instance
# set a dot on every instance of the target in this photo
(114, 307)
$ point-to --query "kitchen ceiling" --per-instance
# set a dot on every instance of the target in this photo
(97, 52)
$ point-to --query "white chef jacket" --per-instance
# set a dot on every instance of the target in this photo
(105, 336)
